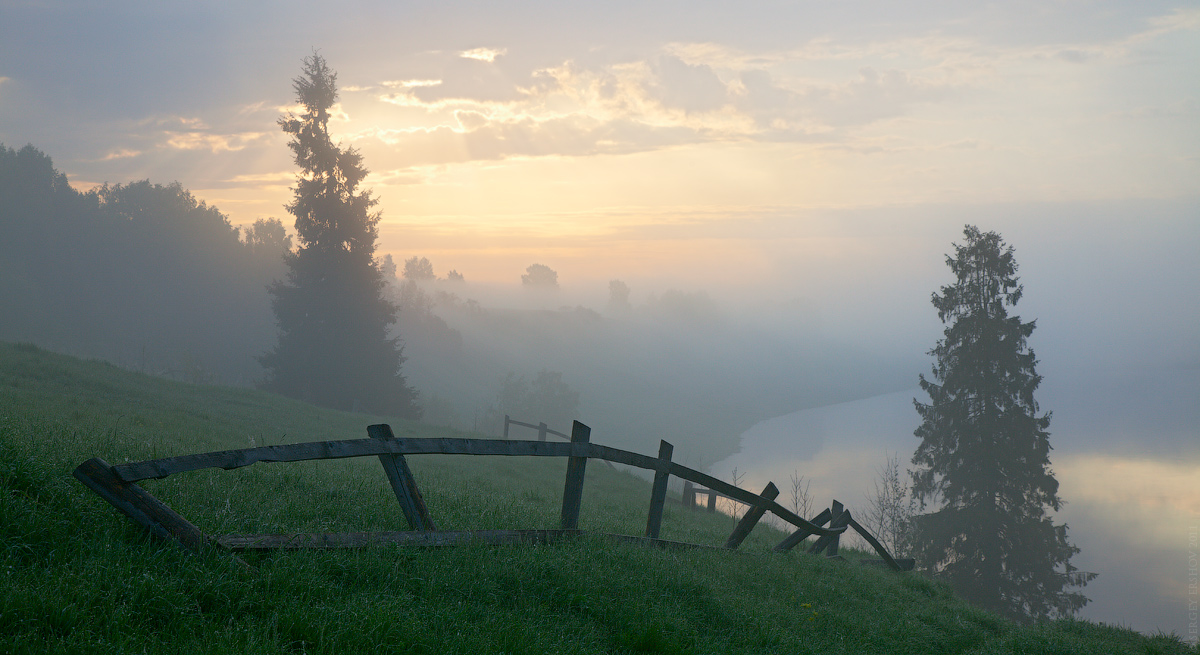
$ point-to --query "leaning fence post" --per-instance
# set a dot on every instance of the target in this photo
(841, 518)
(658, 495)
(139, 505)
(752, 516)
(573, 489)
(689, 495)
(712, 501)
(542, 428)
(403, 484)
(801, 534)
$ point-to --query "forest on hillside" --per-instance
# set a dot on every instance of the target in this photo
(153, 279)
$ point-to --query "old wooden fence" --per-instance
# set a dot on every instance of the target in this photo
(117, 485)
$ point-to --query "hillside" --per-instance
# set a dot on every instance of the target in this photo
(75, 576)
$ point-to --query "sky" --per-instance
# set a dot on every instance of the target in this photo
(623, 139)
(820, 156)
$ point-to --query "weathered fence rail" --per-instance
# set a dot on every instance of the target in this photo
(117, 485)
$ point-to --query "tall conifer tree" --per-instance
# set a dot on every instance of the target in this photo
(983, 461)
(334, 344)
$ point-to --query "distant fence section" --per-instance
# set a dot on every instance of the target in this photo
(117, 485)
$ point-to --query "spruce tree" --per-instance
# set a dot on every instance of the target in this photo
(983, 461)
(334, 346)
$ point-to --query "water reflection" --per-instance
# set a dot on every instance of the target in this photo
(1130, 515)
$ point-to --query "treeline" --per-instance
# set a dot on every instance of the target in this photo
(140, 274)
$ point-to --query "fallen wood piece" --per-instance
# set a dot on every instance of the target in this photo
(368, 539)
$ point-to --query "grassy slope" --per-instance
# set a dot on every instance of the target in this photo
(77, 577)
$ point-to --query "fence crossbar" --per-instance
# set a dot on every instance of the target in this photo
(341, 449)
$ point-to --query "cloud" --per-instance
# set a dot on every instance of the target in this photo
(483, 54)
(213, 142)
(120, 153)
(259, 178)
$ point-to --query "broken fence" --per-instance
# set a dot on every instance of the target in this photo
(117, 485)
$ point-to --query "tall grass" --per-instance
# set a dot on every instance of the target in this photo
(76, 577)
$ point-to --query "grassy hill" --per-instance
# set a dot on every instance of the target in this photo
(77, 577)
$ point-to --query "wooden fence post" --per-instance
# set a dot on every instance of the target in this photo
(689, 495)
(751, 518)
(403, 484)
(801, 534)
(658, 495)
(542, 431)
(712, 501)
(139, 505)
(841, 518)
(573, 488)
(506, 427)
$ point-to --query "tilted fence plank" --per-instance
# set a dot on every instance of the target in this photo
(841, 519)
(139, 505)
(573, 487)
(658, 493)
(887, 558)
(802, 533)
(403, 483)
(752, 517)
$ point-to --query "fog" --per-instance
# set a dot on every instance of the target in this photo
(777, 186)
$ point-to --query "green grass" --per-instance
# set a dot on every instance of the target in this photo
(77, 577)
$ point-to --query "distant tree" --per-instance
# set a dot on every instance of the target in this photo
(984, 452)
(334, 344)
(540, 276)
(418, 269)
(455, 276)
(141, 274)
(267, 236)
(388, 268)
(618, 296)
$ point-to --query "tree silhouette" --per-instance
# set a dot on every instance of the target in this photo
(334, 344)
(984, 452)
(418, 268)
(540, 276)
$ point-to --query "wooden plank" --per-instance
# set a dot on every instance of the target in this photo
(658, 494)
(368, 539)
(712, 502)
(751, 517)
(887, 557)
(302, 452)
(139, 505)
(403, 483)
(231, 459)
(839, 520)
(794, 539)
(573, 487)
(749, 498)
(656, 543)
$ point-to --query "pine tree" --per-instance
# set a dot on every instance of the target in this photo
(334, 344)
(984, 460)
